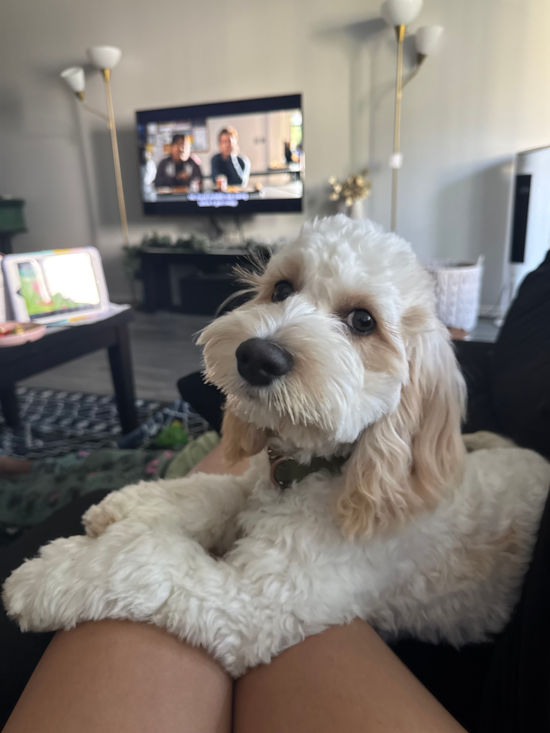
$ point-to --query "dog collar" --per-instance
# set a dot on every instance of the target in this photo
(286, 471)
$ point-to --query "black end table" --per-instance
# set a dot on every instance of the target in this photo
(68, 343)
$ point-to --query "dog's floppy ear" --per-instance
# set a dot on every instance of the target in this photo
(240, 439)
(402, 463)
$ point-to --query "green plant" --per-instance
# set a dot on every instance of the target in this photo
(193, 242)
(131, 263)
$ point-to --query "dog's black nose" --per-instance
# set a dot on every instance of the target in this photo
(260, 361)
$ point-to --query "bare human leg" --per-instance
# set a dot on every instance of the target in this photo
(121, 677)
(345, 679)
(134, 678)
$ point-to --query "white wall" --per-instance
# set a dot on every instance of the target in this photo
(483, 98)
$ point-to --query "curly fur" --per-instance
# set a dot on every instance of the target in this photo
(415, 536)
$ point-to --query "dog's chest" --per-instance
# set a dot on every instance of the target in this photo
(270, 510)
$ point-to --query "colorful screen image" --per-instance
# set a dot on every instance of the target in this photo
(63, 283)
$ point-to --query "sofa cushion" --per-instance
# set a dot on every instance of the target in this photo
(520, 366)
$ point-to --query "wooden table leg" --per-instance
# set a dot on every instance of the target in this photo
(10, 408)
(120, 358)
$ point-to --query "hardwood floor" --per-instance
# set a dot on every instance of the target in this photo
(163, 350)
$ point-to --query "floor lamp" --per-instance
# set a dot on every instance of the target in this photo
(399, 14)
(103, 58)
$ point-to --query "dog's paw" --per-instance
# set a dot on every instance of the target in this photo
(20, 595)
(36, 595)
(124, 573)
(97, 518)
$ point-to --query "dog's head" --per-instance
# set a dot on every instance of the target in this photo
(340, 351)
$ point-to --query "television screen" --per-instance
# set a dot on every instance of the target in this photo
(229, 157)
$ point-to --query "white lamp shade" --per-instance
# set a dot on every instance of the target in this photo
(400, 12)
(104, 57)
(74, 76)
(427, 38)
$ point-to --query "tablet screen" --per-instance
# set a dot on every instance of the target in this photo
(59, 284)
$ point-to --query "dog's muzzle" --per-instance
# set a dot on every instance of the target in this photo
(260, 362)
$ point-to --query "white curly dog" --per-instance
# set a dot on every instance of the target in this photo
(360, 500)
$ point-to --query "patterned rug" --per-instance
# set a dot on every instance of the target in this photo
(55, 423)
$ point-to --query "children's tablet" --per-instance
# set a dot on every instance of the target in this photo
(55, 285)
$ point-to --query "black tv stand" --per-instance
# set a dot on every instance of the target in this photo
(209, 283)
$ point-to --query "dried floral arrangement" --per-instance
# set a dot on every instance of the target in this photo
(355, 188)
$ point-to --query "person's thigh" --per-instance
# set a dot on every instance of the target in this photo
(123, 677)
(345, 679)
(19, 652)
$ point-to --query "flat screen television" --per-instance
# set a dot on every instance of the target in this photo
(228, 157)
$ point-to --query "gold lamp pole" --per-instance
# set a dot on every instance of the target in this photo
(397, 158)
(116, 158)
(103, 58)
(398, 14)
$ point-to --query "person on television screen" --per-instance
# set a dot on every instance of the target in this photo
(179, 168)
(229, 162)
(147, 166)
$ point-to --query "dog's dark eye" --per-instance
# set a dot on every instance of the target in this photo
(282, 291)
(361, 321)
